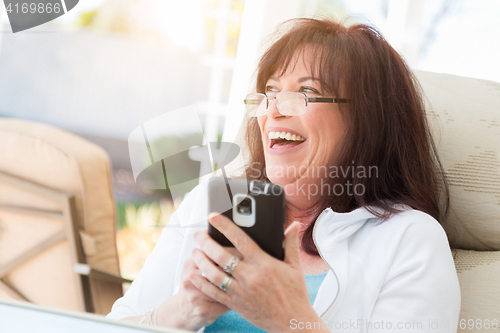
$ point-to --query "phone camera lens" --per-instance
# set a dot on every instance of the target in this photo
(245, 207)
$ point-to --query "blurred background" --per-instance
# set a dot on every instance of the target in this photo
(108, 66)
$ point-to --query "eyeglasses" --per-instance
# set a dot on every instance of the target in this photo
(289, 103)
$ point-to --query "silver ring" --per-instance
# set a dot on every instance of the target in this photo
(231, 265)
(226, 283)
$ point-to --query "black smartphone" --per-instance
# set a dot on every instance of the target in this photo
(256, 207)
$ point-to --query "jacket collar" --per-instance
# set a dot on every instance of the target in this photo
(330, 234)
(341, 225)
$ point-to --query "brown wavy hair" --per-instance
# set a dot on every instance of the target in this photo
(385, 118)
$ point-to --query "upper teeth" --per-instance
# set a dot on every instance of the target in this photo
(286, 136)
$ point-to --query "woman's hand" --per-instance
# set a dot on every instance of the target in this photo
(190, 308)
(267, 292)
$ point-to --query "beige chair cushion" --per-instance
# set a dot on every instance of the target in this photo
(49, 271)
(464, 115)
(478, 273)
(62, 161)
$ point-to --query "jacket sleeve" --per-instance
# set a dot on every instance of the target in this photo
(421, 292)
(158, 278)
(155, 282)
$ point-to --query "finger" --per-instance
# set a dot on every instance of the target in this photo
(234, 252)
(211, 290)
(219, 254)
(211, 272)
(241, 241)
(189, 266)
(292, 246)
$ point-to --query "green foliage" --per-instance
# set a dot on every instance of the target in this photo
(137, 215)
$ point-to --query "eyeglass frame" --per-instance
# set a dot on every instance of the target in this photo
(307, 100)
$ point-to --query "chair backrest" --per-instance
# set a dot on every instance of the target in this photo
(56, 209)
(464, 115)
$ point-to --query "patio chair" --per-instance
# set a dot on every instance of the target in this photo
(57, 219)
(464, 114)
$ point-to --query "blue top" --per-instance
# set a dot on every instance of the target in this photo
(232, 322)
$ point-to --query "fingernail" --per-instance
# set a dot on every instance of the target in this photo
(213, 217)
(197, 237)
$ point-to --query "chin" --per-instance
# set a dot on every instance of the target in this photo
(282, 181)
(278, 174)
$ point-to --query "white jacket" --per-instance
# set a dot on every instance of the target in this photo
(396, 276)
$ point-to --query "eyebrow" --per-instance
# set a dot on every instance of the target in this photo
(302, 79)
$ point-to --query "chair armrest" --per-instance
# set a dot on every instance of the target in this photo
(84, 269)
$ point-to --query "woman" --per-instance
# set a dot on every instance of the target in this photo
(339, 123)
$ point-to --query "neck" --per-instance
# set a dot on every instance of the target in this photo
(300, 203)
(294, 213)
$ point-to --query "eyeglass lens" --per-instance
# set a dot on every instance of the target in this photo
(288, 103)
(256, 105)
(291, 103)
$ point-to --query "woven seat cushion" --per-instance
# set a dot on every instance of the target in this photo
(62, 161)
(478, 273)
(464, 115)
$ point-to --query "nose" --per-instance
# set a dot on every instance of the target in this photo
(272, 110)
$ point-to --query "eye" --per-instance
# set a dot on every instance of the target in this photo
(309, 90)
(271, 90)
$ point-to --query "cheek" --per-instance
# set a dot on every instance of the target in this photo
(330, 136)
(261, 122)
(337, 139)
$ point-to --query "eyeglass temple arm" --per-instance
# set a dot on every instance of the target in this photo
(325, 100)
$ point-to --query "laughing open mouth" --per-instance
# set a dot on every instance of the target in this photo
(284, 139)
